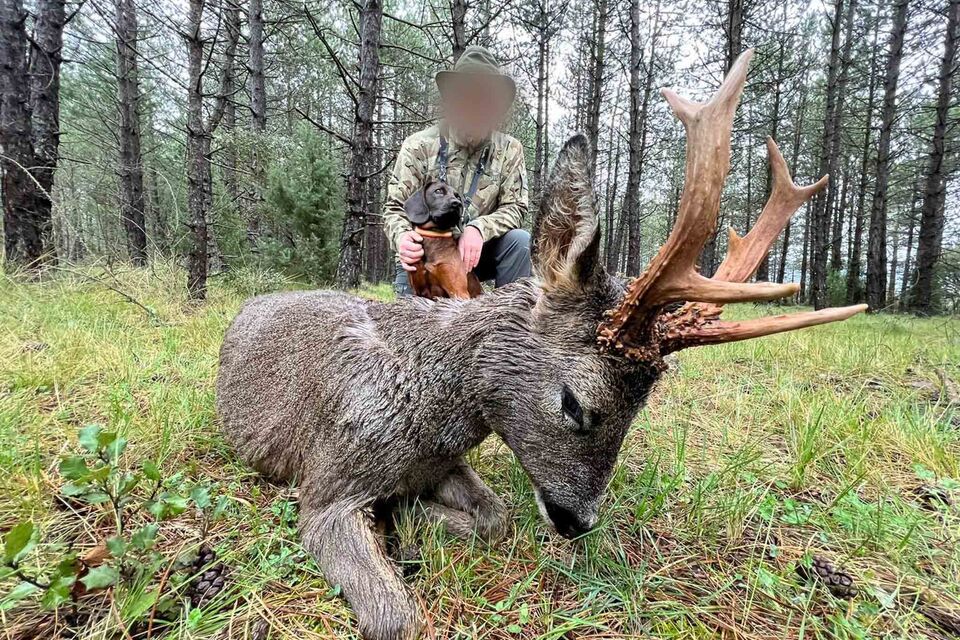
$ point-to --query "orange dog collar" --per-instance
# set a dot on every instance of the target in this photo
(430, 233)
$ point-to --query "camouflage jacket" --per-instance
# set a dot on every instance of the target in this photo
(500, 202)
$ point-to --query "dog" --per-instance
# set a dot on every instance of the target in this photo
(435, 210)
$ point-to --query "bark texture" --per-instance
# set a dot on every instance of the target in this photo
(877, 239)
(29, 129)
(350, 267)
(130, 168)
(258, 119)
(932, 212)
(822, 205)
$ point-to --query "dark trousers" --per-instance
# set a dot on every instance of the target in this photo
(503, 260)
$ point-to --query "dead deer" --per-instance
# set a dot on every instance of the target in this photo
(364, 401)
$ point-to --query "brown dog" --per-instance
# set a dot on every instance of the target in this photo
(434, 211)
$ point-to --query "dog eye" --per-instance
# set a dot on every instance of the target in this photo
(572, 408)
(438, 191)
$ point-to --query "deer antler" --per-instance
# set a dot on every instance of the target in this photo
(637, 328)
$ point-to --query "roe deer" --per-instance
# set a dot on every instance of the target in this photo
(363, 401)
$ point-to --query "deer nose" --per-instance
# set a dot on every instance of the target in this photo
(568, 523)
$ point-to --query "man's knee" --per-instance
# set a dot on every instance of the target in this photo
(513, 259)
(516, 240)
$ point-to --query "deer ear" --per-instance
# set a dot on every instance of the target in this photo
(567, 236)
(415, 208)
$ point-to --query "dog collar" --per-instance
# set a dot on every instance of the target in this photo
(430, 233)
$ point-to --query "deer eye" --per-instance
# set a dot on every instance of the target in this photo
(572, 409)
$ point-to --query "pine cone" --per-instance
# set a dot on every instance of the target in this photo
(932, 496)
(838, 582)
(210, 579)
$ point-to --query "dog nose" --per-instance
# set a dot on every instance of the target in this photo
(567, 523)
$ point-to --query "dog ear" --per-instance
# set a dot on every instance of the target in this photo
(415, 207)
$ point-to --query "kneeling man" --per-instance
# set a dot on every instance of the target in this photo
(486, 167)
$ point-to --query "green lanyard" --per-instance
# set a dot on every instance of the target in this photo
(443, 162)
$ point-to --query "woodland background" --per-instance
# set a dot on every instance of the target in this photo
(238, 133)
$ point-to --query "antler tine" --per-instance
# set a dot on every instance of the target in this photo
(745, 254)
(694, 333)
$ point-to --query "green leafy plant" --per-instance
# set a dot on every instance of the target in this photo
(136, 499)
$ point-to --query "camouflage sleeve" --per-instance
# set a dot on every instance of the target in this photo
(513, 197)
(408, 174)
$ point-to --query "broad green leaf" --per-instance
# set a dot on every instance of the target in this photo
(145, 536)
(58, 592)
(100, 577)
(201, 497)
(89, 437)
(117, 546)
(116, 448)
(150, 471)
(106, 438)
(128, 481)
(18, 541)
(73, 467)
(99, 474)
(95, 497)
(18, 593)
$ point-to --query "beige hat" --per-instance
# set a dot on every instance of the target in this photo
(477, 61)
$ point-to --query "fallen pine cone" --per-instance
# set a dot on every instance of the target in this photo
(210, 579)
(838, 582)
(932, 496)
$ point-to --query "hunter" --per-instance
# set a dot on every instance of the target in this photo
(468, 152)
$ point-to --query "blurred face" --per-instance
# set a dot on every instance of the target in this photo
(475, 105)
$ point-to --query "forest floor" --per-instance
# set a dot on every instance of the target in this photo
(841, 442)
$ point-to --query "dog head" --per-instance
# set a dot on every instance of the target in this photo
(435, 206)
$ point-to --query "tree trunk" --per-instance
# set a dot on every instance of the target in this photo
(735, 19)
(542, 98)
(258, 121)
(374, 221)
(877, 238)
(614, 233)
(894, 256)
(820, 218)
(351, 238)
(763, 271)
(933, 211)
(906, 262)
(733, 32)
(44, 71)
(458, 19)
(130, 169)
(595, 90)
(198, 158)
(836, 239)
(631, 214)
(27, 220)
(854, 288)
(230, 158)
(794, 161)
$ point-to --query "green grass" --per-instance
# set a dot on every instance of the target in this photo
(750, 458)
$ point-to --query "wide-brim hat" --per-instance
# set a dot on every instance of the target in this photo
(477, 60)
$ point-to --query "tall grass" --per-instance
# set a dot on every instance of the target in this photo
(749, 459)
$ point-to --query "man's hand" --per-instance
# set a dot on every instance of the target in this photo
(410, 250)
(471, 244)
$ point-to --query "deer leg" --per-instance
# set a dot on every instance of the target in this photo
(350, 554)
(466, 506)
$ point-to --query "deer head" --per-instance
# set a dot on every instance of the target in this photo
(594, 350)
